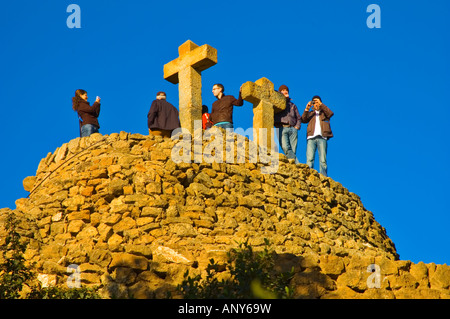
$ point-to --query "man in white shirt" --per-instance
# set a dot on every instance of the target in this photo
(318, 132)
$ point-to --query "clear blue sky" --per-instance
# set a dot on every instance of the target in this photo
(388, 87)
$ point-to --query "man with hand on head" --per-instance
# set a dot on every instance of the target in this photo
(222, 109)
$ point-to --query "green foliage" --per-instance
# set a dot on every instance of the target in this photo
(14, 273)
(251, 276)
(63, 293)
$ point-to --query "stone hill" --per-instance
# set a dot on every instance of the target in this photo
(134, 221)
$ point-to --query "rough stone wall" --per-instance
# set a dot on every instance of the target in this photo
(134, 221)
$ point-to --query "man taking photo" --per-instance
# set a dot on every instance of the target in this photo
(318, 132)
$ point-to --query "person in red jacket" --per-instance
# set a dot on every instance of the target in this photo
(206, 118)
(87, 114)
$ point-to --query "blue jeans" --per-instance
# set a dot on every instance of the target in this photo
(88, 129)
(224, 125)
(287, 137)
(320, 144)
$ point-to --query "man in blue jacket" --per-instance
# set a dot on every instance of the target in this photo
(287, 123)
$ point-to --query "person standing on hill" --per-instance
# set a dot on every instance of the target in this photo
(318, 132)
(87, 114)
(206, 118)
(287, 123)
(222, 109)
(163, 117)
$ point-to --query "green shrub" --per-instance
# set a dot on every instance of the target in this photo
(14, 274)
(251, 276)
(63, 293)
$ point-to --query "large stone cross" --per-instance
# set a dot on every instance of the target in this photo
(186, 70)
(266, 101)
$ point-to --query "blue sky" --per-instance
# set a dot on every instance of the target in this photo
(388, 88)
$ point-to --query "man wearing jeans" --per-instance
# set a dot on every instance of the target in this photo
(318, 132)
(287, 123)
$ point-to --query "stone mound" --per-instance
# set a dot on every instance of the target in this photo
(133, 220)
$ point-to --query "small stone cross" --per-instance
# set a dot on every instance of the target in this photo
(266, 101)
(186, 70)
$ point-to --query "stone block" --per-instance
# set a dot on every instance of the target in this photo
(75, 226)
(28, 183)
(441, 277)
(332, 265)
(128, 260)
(125, 224)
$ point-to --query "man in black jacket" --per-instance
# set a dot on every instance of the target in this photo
(317, 132)
(288, 123)
(162, 117)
